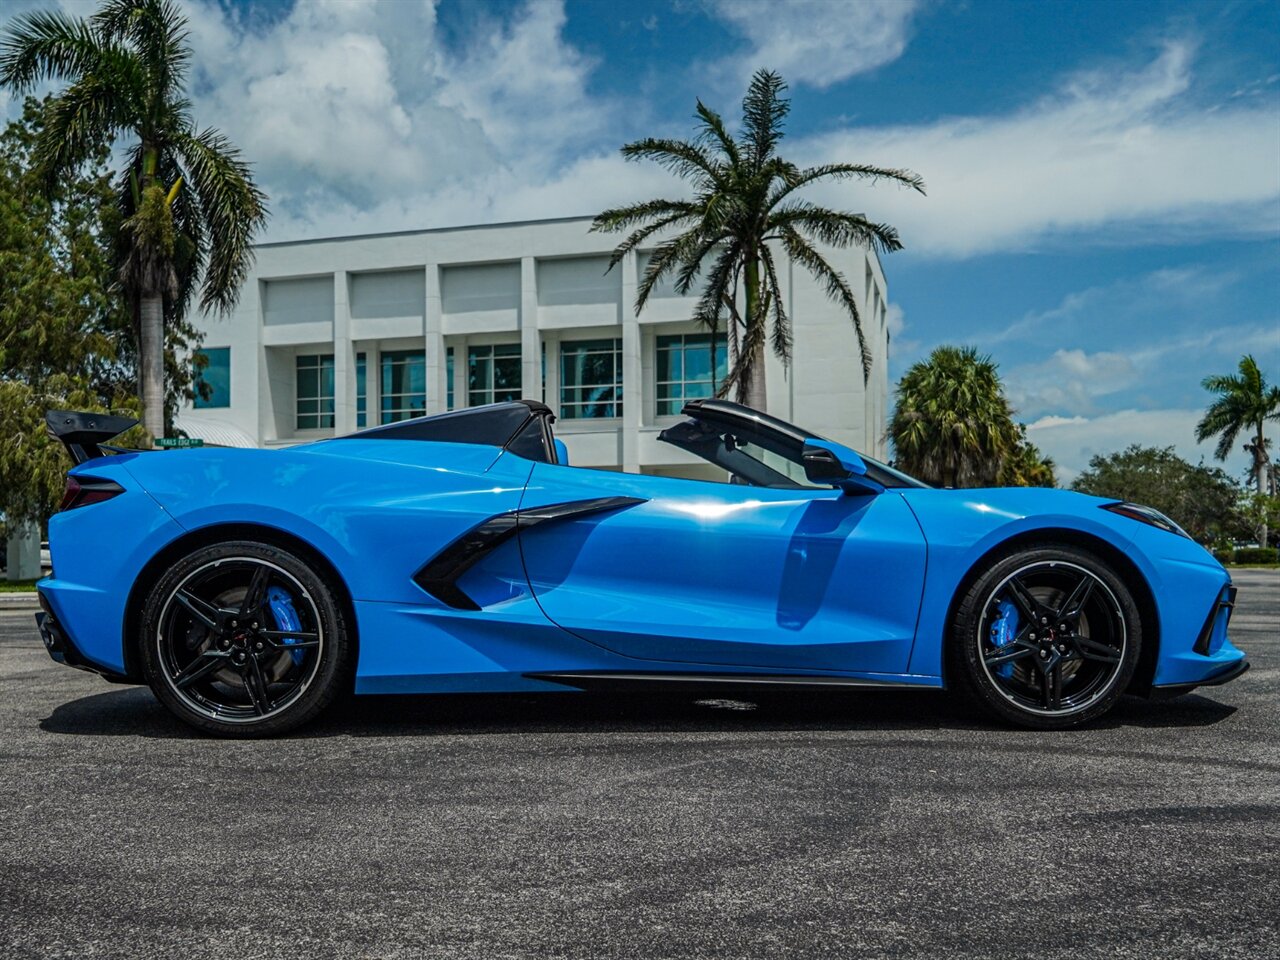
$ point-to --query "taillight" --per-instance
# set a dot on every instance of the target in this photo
(82, 491)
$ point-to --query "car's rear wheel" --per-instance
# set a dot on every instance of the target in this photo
(1046, 637)
(244, 639)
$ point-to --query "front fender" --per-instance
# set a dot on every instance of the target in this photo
(963, 526)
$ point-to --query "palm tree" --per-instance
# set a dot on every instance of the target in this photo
(1026, 466)
(952, 425)
(1244, 402)
(745, 202)
(187, 201)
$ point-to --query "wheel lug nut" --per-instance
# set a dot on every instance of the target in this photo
(257, 646)
(1031, 636)
(254, 625)
(234, 624)
(1044, 654)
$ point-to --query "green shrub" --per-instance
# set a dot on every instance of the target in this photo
(1224, 556)
(1257, 555)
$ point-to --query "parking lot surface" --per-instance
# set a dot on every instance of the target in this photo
(594, 826)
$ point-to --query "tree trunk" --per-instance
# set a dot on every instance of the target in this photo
(151, 363)
(1260, 477)
(754, 393)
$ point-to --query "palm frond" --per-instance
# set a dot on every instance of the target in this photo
(665, 257)
(714, 130)
(764, 110)
(87, 115)
(641, 234)
(781, 334)
(233, 210)
(621, 218)
(718, 292)
(837, 289)
(835, 227)
(749, 350)
(47, 45)
(686, 160)
(157, 29)
(845, 171)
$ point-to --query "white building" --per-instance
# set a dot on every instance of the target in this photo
(335, 334)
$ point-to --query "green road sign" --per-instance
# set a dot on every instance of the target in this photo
(179, 442)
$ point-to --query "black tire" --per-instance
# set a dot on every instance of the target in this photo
(1021, 648)
(244, 639)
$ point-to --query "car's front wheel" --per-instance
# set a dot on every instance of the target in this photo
(1046, 637)
(244, 639)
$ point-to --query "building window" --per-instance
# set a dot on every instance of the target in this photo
(216, 376)
(404, 385)
(493, 373)
(684, 369)
(362, 391)
(448, 378)
(591, 379)
(315, 390)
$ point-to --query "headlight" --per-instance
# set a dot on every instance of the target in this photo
(1148, 515)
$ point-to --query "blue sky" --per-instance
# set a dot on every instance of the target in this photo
(1103, 213)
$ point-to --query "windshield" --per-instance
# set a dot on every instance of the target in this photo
(757, 449)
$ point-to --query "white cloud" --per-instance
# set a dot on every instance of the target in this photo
(1113, 156)
(895, 319)
(1152, 323)
(817, 42)
(1070, 381)
(1071, 441)
(524, 85)
(358, 116)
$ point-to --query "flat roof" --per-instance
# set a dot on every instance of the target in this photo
(462, 226)
(412, 233)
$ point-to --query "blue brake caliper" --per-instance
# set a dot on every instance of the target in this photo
(286, 617)
(1003, 629)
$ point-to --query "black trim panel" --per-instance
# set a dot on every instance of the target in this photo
(62, 649)
(682, 681)
(439, 576)
(1166, 690)
(1226, 600)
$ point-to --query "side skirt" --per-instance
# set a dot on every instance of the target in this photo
(598, 680)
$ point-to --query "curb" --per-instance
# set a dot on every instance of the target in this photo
(19, 601)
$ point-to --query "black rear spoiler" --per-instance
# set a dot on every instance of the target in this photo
(84, 433)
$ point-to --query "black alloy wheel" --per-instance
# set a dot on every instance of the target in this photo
(244, 639)
(1047, 637)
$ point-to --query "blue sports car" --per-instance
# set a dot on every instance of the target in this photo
(462, 552)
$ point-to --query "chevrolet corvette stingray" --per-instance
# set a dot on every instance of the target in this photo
(462, 552)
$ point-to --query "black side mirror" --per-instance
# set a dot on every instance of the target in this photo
(822, 465)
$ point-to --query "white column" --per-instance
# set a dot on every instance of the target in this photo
(344, 359)
(373, 384)
(634, 400)
(461, 378)
(268, 397)
(530, 341)
(432, 324)
(553, 374)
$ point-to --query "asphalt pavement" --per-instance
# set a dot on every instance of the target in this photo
(598, 826)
